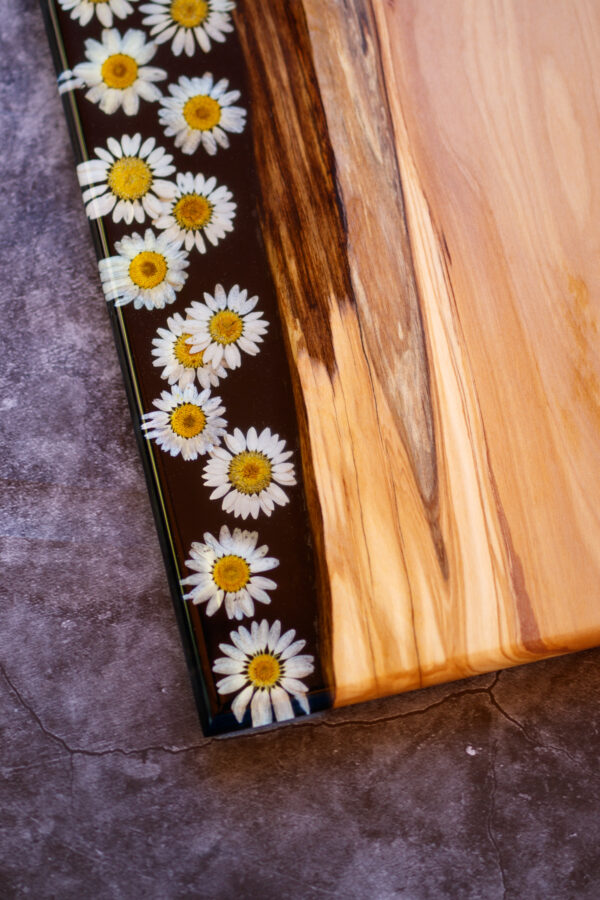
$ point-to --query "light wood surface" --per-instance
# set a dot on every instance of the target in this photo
(431, 211)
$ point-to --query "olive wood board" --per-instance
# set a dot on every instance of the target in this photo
(431, 209)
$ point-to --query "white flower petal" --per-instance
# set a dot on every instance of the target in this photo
(240, 703)
(227, 666)
(231, 683)
(281, 704)
(260, 709)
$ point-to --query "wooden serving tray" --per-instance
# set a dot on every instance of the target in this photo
(418, 208)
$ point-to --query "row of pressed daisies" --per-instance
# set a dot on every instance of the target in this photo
(226, 571)
(199, 112)
(128, 179)
(186, 23)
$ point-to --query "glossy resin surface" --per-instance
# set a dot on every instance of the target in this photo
(161, 133)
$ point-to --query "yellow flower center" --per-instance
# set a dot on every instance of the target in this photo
(130, 178)
(202, 112)
(264, 670)
(119, 71)
(226, 326)
(148, 269)
(231, 573)
(184, 355)
(250, 472)
(188, 420)
(189, 13)
(192, 211)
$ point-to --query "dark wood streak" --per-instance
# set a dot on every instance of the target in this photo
(302, 218)
(529, 631)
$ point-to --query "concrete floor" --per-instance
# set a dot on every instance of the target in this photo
(484, 789)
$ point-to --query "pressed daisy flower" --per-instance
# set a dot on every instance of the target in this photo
(179, 364)
(186, 422)
(83, 10)
(265, 666)
(116, 72)
(188, 21)
(227, 570)
(68, 81)
(224, 325)
(249, 475)
(200, 112)
(148, 271)
(198, 209)
(127, 179)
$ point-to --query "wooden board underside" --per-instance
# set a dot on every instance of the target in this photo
(431, 212)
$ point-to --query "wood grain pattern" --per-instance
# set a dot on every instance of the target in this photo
(431, 218)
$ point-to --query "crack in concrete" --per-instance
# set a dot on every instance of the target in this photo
(309, 723)
(532, 739)
(420, 711)
(74, 751)
(490, 818)
(367, 723)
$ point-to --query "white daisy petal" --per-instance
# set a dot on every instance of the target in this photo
(261, 564)
(180, 365)
(277, 494)
(242, 639)
(262, 632)
(292, 685)
(259, 594)
(144, 271)
(219, 491)
(83, 11)
(273, 637)
(282, 706)
(234, 653)
(178, 41)
(134, 183)
(240, 703)
(198, 113)
(115, 147)
(188, 23)
(260, 709)
(302, 700)
(100, 207)
(192, 211)
(299, 666)
(245, 607)
(231, 683)
(218, 328)
(245, 478)
(188, 426)
(226, 666)
(293, 649)
(229, 564)
(263, 676)
(202, 593)
(284, 641)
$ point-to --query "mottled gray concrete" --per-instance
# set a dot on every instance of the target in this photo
(485, 789)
